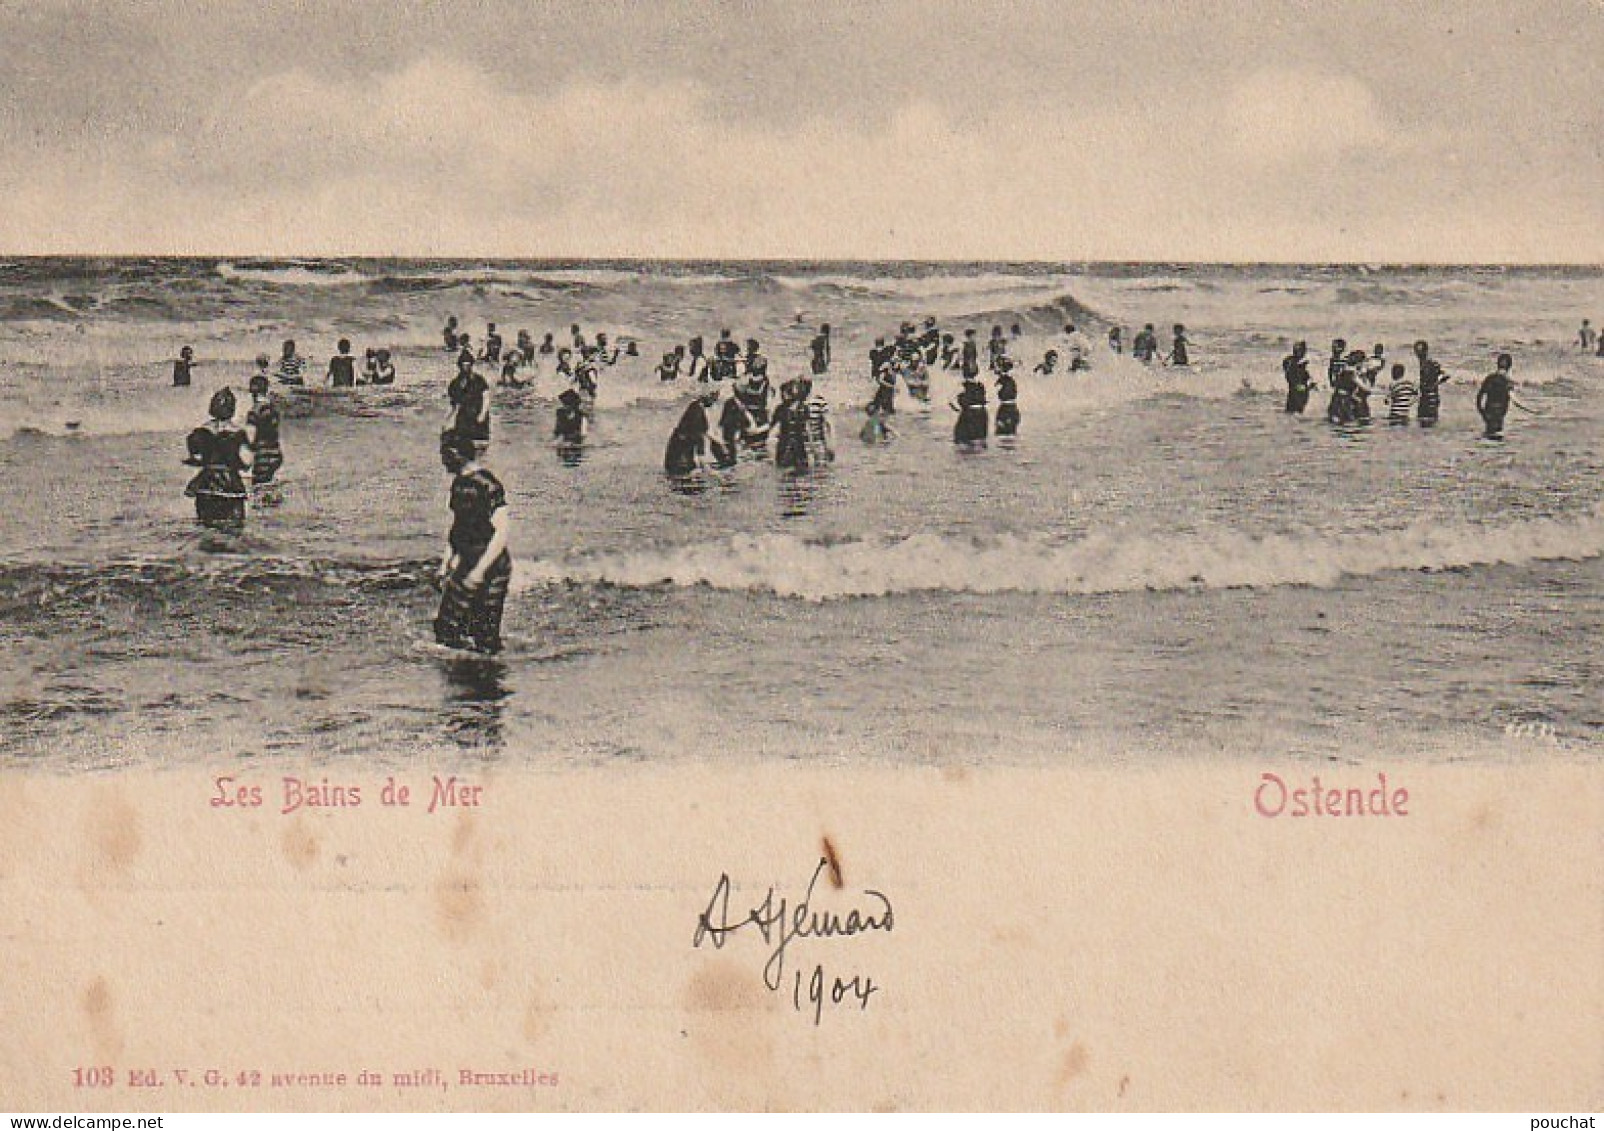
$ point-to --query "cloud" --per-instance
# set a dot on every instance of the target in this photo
(438, 157)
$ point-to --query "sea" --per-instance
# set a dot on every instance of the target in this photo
(1162, 565)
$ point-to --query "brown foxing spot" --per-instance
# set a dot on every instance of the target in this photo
(105, 1040)
(300, 845)
(723, 987)
(462, 834)
(1076, 1058)
(116, 833)
(834, 861)
(458, 906)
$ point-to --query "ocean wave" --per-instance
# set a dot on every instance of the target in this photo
(791, 567)
(1102, 563)
(1038, 317)
(307, 273)
(33, 586)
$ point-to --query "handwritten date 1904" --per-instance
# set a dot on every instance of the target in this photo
(779, 923)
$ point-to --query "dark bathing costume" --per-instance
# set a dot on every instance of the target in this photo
(218, 488)
(971, 425)
(468, 392)
(791, 426)
(268, 455)
(472, 618)
(1296, 371)
(1492, 401)
(688, 440)
(342, 371)
(1007, 405)
(1430, 404)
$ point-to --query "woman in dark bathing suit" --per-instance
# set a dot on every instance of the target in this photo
(1492, 399)
(971, 426)
(477, 567)
(689, 440)
(791, 428)
(1295, 368)
(1007, 402)
(1431, 378)
(220, 449)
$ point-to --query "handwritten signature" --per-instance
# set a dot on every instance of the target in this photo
(779, 922)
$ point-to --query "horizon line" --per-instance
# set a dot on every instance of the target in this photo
(359, 257)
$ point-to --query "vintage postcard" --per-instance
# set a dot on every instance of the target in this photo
(854, 555)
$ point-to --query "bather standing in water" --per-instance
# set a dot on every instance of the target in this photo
(261, 430)
(1295, 368)
(476, 568)
(222, 451)
(689, 441)
(972, 425)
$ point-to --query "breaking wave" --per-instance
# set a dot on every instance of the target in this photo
(1102, 563)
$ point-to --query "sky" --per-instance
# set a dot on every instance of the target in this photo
(1394, 131)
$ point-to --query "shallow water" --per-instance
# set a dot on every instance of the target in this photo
(1162, 560)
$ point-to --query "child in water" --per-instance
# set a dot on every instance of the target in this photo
(1079, 348)
(668, 368)
(181, 367)
(1179, 355)
(509, 369)
(291, 366)
(1401, 395)
(384, 371)
(1048, 366)
(876, 426)
(370, 368)
(261, 428)
(1492, 399)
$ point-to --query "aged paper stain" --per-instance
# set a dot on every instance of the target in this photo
(834, 861)
(105, 1037)
(301, 846)
(1076, 1058)
(459, 906)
